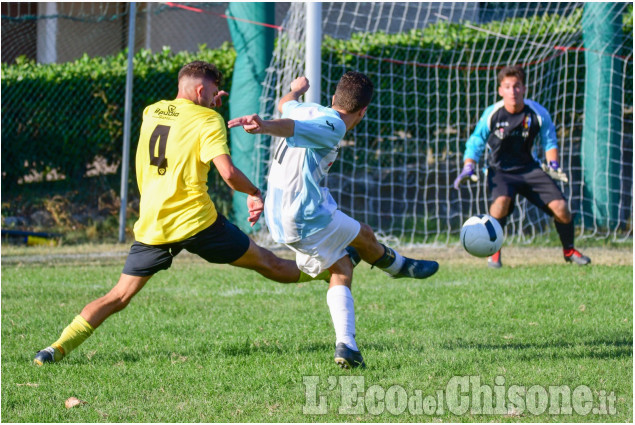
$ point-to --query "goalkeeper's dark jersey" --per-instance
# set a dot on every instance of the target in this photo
(510, 137)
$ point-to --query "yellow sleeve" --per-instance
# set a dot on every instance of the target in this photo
(213, 138)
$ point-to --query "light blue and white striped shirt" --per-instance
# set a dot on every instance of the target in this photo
(296, 205)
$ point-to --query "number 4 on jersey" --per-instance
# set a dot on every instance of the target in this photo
(160, 133)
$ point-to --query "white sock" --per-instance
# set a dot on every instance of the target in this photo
(340, 302)
(396, 265)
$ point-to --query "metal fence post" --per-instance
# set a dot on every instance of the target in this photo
(125, 162)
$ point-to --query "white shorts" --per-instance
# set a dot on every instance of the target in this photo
(321, 250)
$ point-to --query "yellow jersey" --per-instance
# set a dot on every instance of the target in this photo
(178, 139)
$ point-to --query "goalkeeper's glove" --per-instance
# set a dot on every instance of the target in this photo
(467, 173)
(555, 172)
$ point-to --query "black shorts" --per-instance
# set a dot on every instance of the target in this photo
(535, 185)
(221, 243)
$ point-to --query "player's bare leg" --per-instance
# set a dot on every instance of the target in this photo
(389, 260)
(91, 316)
(340, 301)
(115, 300)
(367, 245)
(273, 267)
(566, 231)
(500, 207)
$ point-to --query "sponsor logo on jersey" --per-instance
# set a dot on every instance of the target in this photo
(171, 112)
(500, 132)
(526, 125)
(527, 122)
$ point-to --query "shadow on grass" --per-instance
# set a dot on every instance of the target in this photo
(254, 347)
(602, 348)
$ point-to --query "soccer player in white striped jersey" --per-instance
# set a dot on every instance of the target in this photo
(303, 215)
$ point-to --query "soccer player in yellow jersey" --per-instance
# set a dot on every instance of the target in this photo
(178, 140)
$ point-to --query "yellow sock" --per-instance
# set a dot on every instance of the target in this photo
(325, 275)
(72, 336)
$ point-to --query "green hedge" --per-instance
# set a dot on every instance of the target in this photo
(62, 116)
(454, 69)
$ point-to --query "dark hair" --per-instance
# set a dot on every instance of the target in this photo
(203, 70)
(353, 92)
(512, 71)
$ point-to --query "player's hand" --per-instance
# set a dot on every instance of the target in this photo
(252, 124)
(218, 101)
(256, 206)
(555, 172)
(300, 85)
(468, 173)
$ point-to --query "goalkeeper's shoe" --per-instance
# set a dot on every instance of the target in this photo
(46, 356)
(495, 260)
(347, 358)
(417, 269)
(574, 256)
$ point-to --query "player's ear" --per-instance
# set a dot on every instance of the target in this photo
(500, 91)
(362, 111)
(198, 89)
(333, 100)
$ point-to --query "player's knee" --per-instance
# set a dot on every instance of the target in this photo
(278, 263)
(119, 300)
(342, 271)
(560, 211)
(268, 261)
(365, 236)
(500, 208)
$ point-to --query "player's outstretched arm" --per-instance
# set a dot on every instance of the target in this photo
(237, 180)
(255, 125)
(299, 86)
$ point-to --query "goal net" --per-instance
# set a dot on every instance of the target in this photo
(434, 67)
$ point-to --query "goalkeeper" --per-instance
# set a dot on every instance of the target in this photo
(304, 216)
(509, 128)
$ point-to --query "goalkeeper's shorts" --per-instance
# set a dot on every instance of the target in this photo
(535, 185)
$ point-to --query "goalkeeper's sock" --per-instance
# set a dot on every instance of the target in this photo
(566, 233)
(72, 337)
(391, 262)
(325, 275)
(502, 221)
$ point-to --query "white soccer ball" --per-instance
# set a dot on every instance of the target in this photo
(482, 235)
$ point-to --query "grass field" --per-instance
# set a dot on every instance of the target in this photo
(204, 343)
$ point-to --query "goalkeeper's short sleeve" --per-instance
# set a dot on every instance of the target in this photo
(475, 145)
(547, 129)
